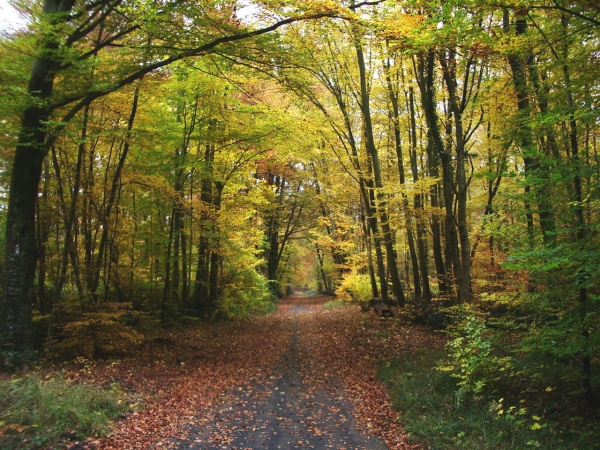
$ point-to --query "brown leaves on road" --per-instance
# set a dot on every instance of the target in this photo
(350, 344)
(183, 375)
(183, 378)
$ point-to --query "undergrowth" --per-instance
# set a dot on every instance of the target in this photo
(50, 413)
(426, 398)
(333, 305)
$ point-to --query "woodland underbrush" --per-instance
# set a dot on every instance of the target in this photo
(499, 382)
(36, 412)
(524, 418)
(112, 327)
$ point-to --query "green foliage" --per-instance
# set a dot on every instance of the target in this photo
(248, 293)
(355, 287)
(425, 396)
(12, 361)
(333, 305)
(470, 359)
(519, 416)
(36, 412)
(552, 306)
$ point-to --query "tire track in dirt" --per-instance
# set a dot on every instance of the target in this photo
(291, 410)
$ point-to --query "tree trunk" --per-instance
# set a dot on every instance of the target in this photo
(273, 229)
(582, 231)
(492, 189)
(464, 275)
(369, 248)
(436, 226)
(428, 100)
(418, 204)
(21, 246)
(43, 232)
(395, 113)
(380, 205)
(321, 259)
(201, 287)
(70, 213)
(532, 164)
(215, 258)
(112, 197)
(168, 285)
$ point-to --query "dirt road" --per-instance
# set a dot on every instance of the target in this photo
(291, 410)
(303, 377)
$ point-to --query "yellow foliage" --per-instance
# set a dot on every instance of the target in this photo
(400, 26)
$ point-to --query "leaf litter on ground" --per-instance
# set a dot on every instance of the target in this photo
(179, 380)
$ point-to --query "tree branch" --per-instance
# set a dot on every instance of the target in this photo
(197, 51)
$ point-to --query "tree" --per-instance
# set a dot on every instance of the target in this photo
(72, 35)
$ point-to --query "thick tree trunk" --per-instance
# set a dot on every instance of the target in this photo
(428, 100)
(436, 226)
(21, 246)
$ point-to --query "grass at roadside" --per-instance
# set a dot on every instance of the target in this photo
(426, 398)
(36, 412)
(334, 304)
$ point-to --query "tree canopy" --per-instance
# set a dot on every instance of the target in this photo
(174, 159)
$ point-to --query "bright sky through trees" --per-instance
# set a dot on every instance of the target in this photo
(10, 18)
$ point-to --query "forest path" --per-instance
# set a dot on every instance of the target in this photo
(290, 410)
(301, 377)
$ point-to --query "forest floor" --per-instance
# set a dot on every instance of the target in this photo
(301, 377)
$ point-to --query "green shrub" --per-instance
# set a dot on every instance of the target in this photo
(246, 293)
(427, 403)
(558, 322)
(36, 412)
(470, 358)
